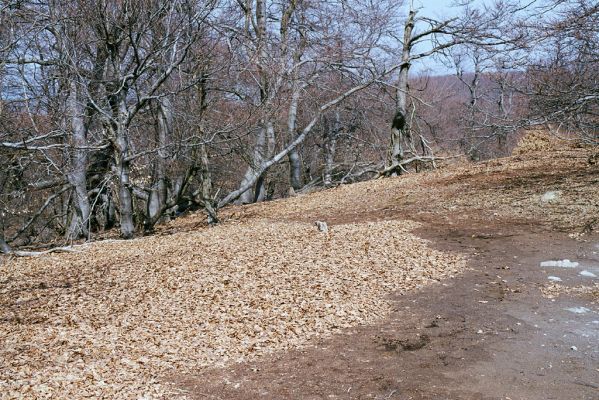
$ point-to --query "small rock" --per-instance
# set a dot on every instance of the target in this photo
(554, 278)
(574, 348)
(322, 226)
(480, 332)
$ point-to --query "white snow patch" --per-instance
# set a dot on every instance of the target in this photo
(578, 310)
(551, 196)
(559, 263)
(588, 274)
(554, 278)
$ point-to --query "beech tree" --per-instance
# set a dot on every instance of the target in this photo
(293, 47)
(127, 113)
(121, 69)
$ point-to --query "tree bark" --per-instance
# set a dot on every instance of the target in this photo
(123, 170)
(330, 149)
(77, 176)
(157, 198)
(295, 164)
(398, 127)
(206, 189)
(263, 151)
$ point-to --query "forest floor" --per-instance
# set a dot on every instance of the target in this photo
(426, 286)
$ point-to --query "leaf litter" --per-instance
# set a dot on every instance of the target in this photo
(112, 319)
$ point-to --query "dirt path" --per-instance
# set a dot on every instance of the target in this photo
(489, 334)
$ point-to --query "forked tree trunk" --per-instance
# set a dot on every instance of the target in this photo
(263, 151)
(265, 141)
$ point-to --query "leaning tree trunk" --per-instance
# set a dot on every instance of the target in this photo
(398, 127)
(79, 225)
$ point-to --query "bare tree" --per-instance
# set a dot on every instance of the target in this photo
(562, 80)
(128, 113)
(425, 37)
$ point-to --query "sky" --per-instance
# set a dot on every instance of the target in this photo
(436, 9)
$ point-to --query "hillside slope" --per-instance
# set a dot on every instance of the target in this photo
(117, 318)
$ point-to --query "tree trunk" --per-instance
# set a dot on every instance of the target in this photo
(264, 147)
(203, 195)
(157, 198)
(504, 115)
(4, 247)
(398, 127)
(123, 171)
(295, 170)
(330, 149)
(206, 190)
(79, 225)
(263, 151)
(295, 164)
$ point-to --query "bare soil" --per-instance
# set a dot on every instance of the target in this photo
(488, 334)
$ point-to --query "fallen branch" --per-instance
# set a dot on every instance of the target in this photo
(393, 168)
(20, 253)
